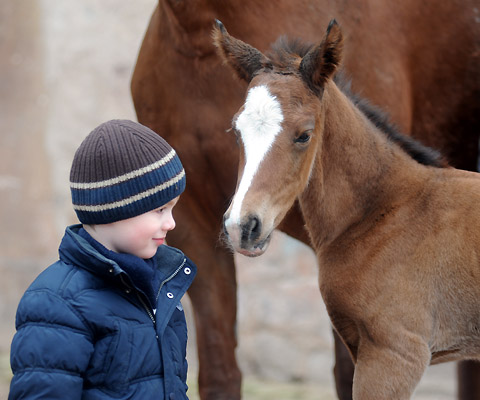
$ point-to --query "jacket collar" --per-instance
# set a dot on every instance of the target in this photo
(74, 249)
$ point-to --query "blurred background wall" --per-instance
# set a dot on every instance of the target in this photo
(65, 67)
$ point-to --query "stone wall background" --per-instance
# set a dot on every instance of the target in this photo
(65, 67)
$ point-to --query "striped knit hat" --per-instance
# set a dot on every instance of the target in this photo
(123, 169)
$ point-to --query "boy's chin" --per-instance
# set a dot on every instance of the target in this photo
(147, 253)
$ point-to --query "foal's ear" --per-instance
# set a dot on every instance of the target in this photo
(243, 58)
(321, 62)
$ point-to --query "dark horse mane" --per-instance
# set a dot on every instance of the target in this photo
(282, 62)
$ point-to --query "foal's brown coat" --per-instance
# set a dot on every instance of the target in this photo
(398, 242)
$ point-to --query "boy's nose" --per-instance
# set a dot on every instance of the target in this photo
(169, 224)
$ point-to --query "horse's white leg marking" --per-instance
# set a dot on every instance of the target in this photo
(258, 124)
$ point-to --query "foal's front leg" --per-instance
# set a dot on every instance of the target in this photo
(390, 370)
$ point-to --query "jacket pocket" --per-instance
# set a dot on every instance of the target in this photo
(109, 364)
(176, 332)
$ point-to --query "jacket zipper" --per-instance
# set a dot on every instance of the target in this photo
(147, 309)
(170, 278)
(145, 306)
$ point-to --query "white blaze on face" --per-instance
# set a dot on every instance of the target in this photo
(258, 124)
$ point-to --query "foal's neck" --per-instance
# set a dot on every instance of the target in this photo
(358, 172)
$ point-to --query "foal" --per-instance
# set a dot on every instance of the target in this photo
(397, 241)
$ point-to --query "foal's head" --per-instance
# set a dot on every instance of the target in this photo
(279, 128)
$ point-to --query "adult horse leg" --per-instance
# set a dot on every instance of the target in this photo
(213, 296)
(468, 373)
(343, 370)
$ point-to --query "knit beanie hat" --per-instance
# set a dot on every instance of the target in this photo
(123, 169)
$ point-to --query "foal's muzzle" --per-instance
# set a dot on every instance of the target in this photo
(245, 237)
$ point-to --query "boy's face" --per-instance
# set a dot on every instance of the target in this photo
(140, 235)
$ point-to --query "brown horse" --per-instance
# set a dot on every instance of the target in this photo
(397, 240)
(418, 61)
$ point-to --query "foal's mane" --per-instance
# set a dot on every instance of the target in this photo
(284, 55)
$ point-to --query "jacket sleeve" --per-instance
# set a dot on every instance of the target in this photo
(51, 349)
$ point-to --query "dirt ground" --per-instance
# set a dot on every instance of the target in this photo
(436, 386)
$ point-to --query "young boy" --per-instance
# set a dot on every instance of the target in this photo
(105, 321)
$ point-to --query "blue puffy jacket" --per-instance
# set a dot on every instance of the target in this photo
(85, 331)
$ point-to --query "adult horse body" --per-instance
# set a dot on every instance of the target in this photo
(418, 61)
(397, 241)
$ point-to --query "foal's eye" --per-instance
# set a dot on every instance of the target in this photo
(304, 137)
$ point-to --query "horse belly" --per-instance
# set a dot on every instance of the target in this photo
(464, 347)
(456, 333)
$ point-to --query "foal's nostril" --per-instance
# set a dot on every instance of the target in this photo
(256, 226)
(251, 229)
